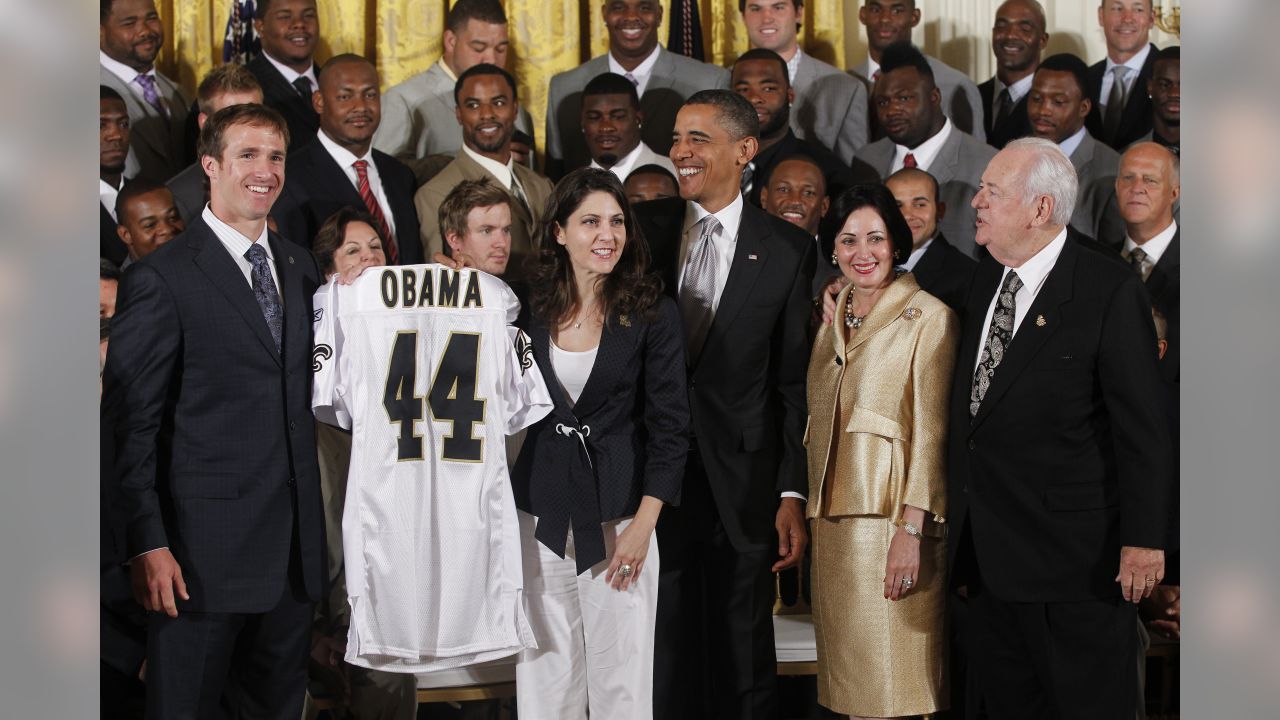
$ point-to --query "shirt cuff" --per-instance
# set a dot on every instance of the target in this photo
(135, 557)
(795, 495)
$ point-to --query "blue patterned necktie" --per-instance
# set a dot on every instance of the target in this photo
(264, 289)
(998, 338)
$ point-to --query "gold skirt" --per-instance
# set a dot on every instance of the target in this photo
(877, 657)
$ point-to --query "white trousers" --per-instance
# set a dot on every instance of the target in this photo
(595, 644)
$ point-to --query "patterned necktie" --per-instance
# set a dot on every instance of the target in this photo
(1115, 103)
(698, 291)
(909, 161)
(303, 85)
(1138, 261)
(748, 178)
(998, 339)
(634, 80)
(150, 94)
(264, 289)
(1003, 106)
(371, 204)
(518, 192)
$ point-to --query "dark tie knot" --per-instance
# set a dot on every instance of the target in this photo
(256, 256)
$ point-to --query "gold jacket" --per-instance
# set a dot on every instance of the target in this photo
(887, 389)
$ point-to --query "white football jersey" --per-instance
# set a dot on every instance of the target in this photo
(421, 363)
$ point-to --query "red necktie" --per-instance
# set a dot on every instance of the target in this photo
(909, 161)
(371, 203)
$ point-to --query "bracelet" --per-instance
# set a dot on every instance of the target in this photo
(911, 529)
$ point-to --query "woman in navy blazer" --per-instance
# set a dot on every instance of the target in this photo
(592, 477)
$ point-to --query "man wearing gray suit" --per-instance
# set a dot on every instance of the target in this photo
(129, 38)
(418, 114)
(1058, 107)
(663, 80)
(908, 107)
(891, 21)
(830, 106)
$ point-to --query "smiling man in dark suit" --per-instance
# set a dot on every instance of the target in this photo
(286, 69)
(207, 386)
(1017, 38)
(339, 168)
(742, 281)
(1059, 459)
(1118, 83)
(942, 271)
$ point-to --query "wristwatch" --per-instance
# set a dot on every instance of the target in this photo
(911, 529)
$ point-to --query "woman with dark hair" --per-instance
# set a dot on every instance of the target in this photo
(593, 475)
(878, 384)
(348, 239)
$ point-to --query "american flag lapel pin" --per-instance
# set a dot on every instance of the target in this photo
(752, 256)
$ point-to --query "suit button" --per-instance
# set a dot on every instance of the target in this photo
(973, 445)
(839, 361)
(292, 482)
(293, 425)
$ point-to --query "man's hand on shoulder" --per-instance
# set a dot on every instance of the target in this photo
(829, 293)
(156, 576)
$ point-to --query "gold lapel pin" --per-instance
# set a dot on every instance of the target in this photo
(624, 320)
(1040, 322)
(911, 313)
(290, 259)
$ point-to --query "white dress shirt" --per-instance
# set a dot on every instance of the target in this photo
(793, 65)
(290, 74)
(1154, 248)
(346, 160)
(108, 195)
(1134, 64)
(642, 71)
(873, 67)
(925, 152)
(128, 75)
(1032, 274)
(916, 254)
(1071, 144)
(639, 156)
(1016, 91)
(237, 245)
(504, 174)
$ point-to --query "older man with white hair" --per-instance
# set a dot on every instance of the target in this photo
(1060, 473)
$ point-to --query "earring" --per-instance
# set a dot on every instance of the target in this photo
(834, 260)
(897, 255)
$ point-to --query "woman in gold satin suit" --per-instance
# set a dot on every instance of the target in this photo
(879, 379)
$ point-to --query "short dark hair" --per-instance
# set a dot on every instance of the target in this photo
(630, 288)
(225, 79)
(329, 236)
(484, 69)
(462, 199)
(134, 189)
(879, 198)
(213, 136)
(108, 270)
(732, 110)
(106, 11)
(904, 54)
(260, 10)
(108, 93)
(797, 157)
(653, 169)
(610, 83)
(486, 11)
(765, 54)
(742, 5)
(1172, 53)
(1068, 63)
(917, 172)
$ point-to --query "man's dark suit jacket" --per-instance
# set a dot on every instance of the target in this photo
(1015, 125)
(1136, 120)
(837, 174)
(277, 94)
(746, 388)
(110, 246)
(215, 441)
(315, 188)
(1068, 458)
(636, 404)
(1164, 284)
(945, 273)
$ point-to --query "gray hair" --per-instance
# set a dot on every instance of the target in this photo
(1050, 173)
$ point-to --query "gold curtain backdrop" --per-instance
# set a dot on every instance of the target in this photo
(403, 37)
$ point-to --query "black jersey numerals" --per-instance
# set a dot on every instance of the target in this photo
(451, 398)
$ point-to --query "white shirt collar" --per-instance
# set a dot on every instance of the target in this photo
(1155, 247)
(916, 254)
(626, 163)
(1034, 271)
(503, 173)
(1017, 89)
(1070, 145)
(290, 74)
(642, 71)
(447, 70)
(235, 243)
(793, 65)
(1134, 63)
(873, 67)
(107, 195)
(730, 217)
(344, 157)
(926, 151)
(122, 71)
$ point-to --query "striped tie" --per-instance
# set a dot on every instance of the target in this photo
(371, 203)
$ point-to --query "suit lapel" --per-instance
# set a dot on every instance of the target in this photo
(217, 264)
(331, 177)
(137, 106)
(943, 167)
(805, 74)
(890, 306)
(1032, 333)
(930, 264)
(749, 259)
(296, 321)
(663, 73)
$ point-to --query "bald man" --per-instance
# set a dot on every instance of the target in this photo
(942, 271)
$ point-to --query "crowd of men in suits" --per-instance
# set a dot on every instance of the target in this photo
(900, 117)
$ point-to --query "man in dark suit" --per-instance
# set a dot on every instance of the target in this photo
(1060, 475)
(1118, 84)
(147, 219)
(289, 30)
(1017, 38)
(1165, 89)
(742, 281)
(339, 168)
(795, 191)
(760, 76)
(207, 386)
(113, 170)
(941, 269)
